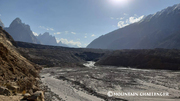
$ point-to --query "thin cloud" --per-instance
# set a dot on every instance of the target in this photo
(35, 34)
(51, 29)
(135, 14)
(121, 18)
(92, 35)
(131, 20)
(57, 33)
(134, 19)
(73, 33)
(114, 26)
(122, 24)
(125, 14)
(85, 36)
(66, 32)
(69, 42)
(85, 45)
(46, 28)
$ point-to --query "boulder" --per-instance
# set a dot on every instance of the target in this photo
(37, 79)
(26, 95)
(5, 91)
(37, 96)
(13, 87)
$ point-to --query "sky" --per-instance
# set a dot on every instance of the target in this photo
(78, 22)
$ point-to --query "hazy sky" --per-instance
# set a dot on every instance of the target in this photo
(78, 22)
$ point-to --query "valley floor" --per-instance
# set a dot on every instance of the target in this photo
(93, 83)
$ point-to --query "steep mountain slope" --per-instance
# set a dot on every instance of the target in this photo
(13, 65)
(21, 32)
(173, 41)
(151, 32)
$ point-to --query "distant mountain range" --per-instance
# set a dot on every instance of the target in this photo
(159, 30)
(22, 32)
(48, 39)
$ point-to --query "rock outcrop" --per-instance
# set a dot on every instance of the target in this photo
(37, 96)
(5, 91)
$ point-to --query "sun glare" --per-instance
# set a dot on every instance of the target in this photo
(119, 1)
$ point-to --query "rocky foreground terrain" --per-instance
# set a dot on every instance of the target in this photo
(18, 76)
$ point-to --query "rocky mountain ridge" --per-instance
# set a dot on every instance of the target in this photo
(47, 39)
(21, 32)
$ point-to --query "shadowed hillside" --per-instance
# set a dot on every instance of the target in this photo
(56, 56)
(144, 59)
(53, 56)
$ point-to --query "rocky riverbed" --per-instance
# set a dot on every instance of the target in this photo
(93, 83)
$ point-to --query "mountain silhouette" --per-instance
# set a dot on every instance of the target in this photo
(21, 32)
(47, 39)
